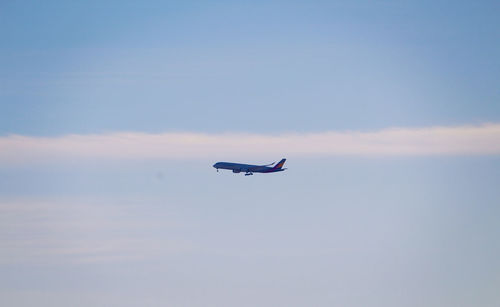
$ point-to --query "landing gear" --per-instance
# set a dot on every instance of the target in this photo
(217, 170)
(248, 174)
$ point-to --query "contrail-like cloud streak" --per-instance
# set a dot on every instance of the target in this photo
(459, 140)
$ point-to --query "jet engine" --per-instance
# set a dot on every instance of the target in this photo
(236, 170)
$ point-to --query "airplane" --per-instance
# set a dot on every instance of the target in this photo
(250, 169)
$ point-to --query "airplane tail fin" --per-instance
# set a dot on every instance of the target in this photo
(280, 164)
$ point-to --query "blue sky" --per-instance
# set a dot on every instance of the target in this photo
(113, 113)
(199, 66)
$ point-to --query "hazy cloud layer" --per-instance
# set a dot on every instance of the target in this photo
(78, 231)
(459, 140)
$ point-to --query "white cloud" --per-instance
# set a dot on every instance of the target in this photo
(78, 231)
(459, 140)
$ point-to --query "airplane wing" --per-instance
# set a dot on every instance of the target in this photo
(258, 168)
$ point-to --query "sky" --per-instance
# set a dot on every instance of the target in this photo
(113, 113)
